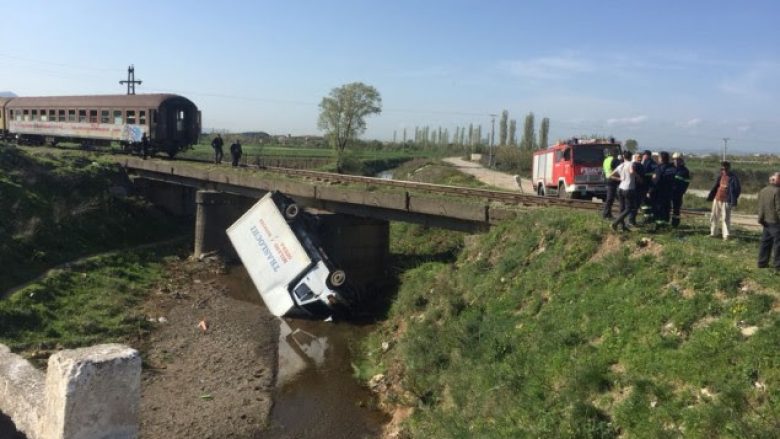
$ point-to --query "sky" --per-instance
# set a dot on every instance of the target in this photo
(675, 75)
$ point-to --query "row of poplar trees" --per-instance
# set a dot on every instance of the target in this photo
(507, 132)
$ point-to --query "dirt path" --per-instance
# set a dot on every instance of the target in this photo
(216, 383)
(491, 177)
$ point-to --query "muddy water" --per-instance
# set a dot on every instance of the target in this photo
(316, 395)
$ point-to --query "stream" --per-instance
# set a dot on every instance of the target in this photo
(316, 394)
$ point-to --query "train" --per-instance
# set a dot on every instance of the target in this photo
(168, 123)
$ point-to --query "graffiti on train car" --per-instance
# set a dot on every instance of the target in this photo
(123, 132)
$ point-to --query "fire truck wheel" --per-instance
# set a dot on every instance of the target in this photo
(562, 191)
(337, 279)
(291, 211)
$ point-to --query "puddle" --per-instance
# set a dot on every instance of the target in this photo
(316, 394)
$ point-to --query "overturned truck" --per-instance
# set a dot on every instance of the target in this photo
(276, 242)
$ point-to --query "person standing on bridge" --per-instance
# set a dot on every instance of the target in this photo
(217, 145)
(236, 152)
(611, 162)
(682, 178)
(769, 218)
(724, 195)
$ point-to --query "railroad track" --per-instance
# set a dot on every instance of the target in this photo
(506, 197)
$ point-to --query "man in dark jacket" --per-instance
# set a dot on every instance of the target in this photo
(217, 145)
(769, 218)
(724, 195)
(644, 190)
(661, 191)
(682, 178)
(236, 152)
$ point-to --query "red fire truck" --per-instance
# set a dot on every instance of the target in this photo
(573, 168)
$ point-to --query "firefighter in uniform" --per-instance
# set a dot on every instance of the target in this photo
(611, 163)
(682, 178)
(645, 193)
(661, 191)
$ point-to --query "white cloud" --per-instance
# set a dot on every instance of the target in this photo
(626, 121)
(691, 123)
(758, 81)
(552, 67)
(744, 128)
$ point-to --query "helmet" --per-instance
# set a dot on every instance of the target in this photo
(677, 155)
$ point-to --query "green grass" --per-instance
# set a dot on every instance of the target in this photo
(97, 301)
(552, 326)
(59, 207)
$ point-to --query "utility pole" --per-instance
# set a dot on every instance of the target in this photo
(725, 145)
(492, 139)
(131, 82)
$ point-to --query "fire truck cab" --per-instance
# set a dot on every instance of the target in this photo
(573, 168)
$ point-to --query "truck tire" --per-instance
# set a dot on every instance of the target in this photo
(337, 278)
(562, 191)
(291, 211)
(540, 190)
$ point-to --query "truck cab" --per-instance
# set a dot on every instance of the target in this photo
(573, 168)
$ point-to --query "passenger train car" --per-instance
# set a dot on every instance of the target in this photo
(169, 122)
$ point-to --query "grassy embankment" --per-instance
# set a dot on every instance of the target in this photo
(553, 326)
(59, 208)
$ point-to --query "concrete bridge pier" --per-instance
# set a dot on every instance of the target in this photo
(215, 212)
(359, 246)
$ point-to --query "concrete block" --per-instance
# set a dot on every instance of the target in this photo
(88, 393)
(21, 391)
(92, 393)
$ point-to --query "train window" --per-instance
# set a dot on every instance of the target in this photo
(82, 115)
(180, 115)
(117, 117)
(93, 116)
(71, 115)
(26, 115)
(142, 117)
(131, 116)
(62, 116)
(34, 115)
(105, 116)
(52, 115)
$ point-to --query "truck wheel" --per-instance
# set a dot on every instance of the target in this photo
(291, 211)
(540, 190)
(337, 279)
(562, 191)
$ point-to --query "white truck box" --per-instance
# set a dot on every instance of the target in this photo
(288, 270)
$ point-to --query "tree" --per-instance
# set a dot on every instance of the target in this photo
(343, 113)
(502, 128)
(527, 142)
(513, 132)
(631, 145)
(544, 132)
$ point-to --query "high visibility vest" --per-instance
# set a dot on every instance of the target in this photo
(608, 166)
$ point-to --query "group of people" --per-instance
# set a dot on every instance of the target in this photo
(640, 183)
(657, 189)
(235, 150)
